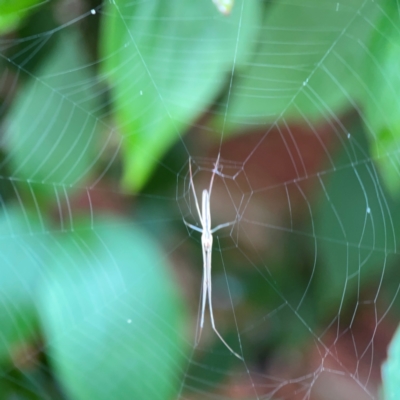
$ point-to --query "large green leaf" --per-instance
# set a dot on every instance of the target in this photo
(391, 370)
(13, 11)
(112, 316)
(52, 130)
(21, 262)
(166, 62)
(382, 100)
(308, 63)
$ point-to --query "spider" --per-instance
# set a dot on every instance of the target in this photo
(206, 244)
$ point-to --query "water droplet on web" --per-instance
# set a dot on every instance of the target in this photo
(348, 136)
(368, 210)
(93, 11)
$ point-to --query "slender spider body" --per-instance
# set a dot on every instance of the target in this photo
(206, 244)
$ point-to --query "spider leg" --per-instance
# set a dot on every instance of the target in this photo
(194, 192)
(194, 227)
(212, 177)
(218, 227)
(208, 267)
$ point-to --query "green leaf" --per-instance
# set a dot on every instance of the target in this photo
(166, 63)
(307, 65)
(113, 318)
(21, 261)
(52, 130)
(13, 11)
(356, 225)
(382, 100)
(391, 370)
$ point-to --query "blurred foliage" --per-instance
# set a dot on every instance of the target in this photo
(44, 138)
(301, 70)
(18, 319)
(100, 318)
(382, 101)
(88, 287)
(167, 90)
(358, 216)
(12, 12)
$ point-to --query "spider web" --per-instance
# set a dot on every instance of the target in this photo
(305, 287)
